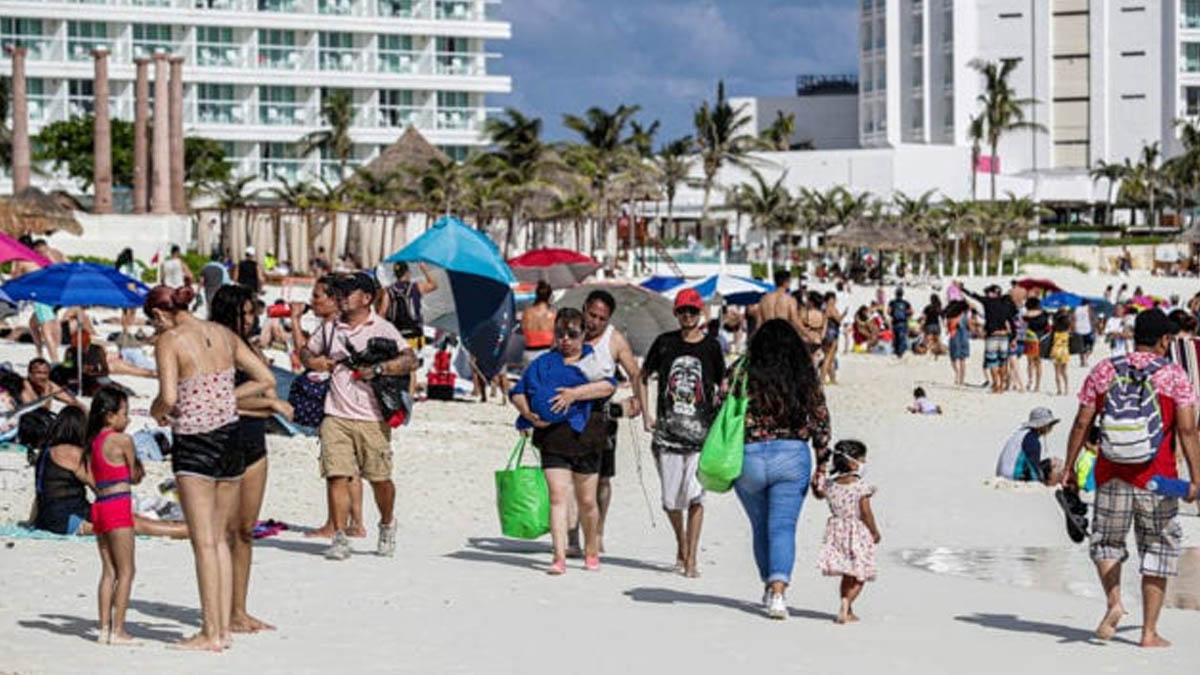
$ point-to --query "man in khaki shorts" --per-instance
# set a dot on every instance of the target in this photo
(355, 439)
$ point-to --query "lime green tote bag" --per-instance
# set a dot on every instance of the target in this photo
(522, 497)
(721, 455)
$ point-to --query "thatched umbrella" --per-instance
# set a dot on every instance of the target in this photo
(411, 149)
(881, 237)
(32, 211)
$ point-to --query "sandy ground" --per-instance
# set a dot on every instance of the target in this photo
(458, 598)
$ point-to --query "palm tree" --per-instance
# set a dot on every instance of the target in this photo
(674, 165)
(1142, 180)
(373, 190)
(1021, 215)
(722, 138)
(778, 136)
(914, 213)
(337, 112)
(767, 205)
(232, 193)
(642, 138)
(517, 163)
(482, 197)
(1002, 111)
(961, 220)
(1111, 172)
(975, 135)
(574, 208)
(603, 133)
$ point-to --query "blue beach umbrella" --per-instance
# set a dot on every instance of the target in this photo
(734, 290)
(478, 303)
(661, 284)
(78, 284)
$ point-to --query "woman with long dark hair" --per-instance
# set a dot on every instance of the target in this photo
(785, 414)
(233, 307)
(197, 398)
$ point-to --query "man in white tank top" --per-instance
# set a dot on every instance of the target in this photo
(611, 349)
(1084, 326)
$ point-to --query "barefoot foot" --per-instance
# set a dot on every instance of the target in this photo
(244, 623)
(1108, 625)
(1154, 640)
(356, 531)
(103, 634)
(198, 643)
(323, 532)
(120, 638)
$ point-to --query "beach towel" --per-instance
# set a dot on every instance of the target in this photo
(18, 531)
(267, 528)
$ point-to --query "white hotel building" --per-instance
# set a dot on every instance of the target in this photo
(255, 70)
(1108, 75)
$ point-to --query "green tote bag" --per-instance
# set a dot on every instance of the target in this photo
(522, 497)
(721, 455)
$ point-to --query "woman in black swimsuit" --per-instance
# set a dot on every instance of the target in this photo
(931, 326)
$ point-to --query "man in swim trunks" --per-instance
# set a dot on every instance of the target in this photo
(999, 312)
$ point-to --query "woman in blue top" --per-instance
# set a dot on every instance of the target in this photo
(555, 398)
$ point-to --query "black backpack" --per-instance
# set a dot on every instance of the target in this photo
(33, 431)
(404, 309)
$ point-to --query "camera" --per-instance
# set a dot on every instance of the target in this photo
(615, 410)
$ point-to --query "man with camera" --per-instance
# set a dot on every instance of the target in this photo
(355, 437)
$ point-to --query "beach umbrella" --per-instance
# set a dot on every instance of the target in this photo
(78, 284)
(11, 249)
(474, 298)
(734, 290)
(559, 267)
(1071, 301)
(1044, 284)
(661, 283)
(641, 315)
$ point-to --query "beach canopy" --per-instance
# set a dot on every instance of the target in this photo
(734, 290)
(661, 283)
(641, 315)
(11, 249)
(1044, 284)
(474, 298)
(559, 267)
(78, 284)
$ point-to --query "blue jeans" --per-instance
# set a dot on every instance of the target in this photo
(771, 488)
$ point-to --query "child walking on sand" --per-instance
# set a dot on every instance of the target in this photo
(114, 468)
(1060, 351)
(851, 534)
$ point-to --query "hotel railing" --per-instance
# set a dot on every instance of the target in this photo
(452, 10)
(459, 63)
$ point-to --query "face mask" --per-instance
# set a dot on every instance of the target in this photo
(861, 471)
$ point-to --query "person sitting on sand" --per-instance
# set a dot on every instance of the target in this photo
(851, 533)
(38, 385)
(1021, 459)
(921, 404)
(554, 398)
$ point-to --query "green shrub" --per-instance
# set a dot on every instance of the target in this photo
(1037, 258)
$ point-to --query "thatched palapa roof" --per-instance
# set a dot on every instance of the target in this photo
(881, 236)
(411, 149)
(32, 211)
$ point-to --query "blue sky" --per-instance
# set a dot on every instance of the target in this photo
(667, 55)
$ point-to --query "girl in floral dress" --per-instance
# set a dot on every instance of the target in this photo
(850, 533)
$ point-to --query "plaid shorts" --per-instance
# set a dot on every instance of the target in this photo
(1157, 530)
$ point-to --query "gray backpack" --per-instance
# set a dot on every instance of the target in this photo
(1131, 424)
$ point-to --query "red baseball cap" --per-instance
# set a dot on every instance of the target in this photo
(689, 297)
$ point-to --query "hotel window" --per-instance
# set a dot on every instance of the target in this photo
(948, 70)
(918, 72)
(868, 82)
(454, 110)
(868, 121)
(149, 38)
(339, 7)
(80, 97)
(1191, 57)
(396, 8)
(396, 108)
(452, 57)
(396, 54)
(918, 114)
(1191, 13)
(337, 51)
(1191, 97)
(457, 153)
(24, 32)
(452, 9)
(35, 92)
(279, 161)
(278, 106)
(277, 49)
(918, 29)
(880, 75)
(215, 47)
(867, 45)
(215, 104)
(276, 5)
(866, 5)
(880, 34)
(83, 37)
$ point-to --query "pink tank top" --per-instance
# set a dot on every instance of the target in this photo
(205, 402)
(104, 473)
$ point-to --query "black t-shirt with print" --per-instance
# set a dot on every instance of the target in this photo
(689, 376)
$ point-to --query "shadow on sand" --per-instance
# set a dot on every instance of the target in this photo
(670, 596)
(1065, 634)
(533, 555)
(85, 629)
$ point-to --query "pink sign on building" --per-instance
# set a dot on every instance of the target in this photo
(988, 164)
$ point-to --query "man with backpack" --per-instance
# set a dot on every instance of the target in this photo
(899, 311)
(401, 304)
(1141, 403)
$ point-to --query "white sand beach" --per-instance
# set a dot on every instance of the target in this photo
(459, 598)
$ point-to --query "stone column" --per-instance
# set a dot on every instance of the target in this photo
(178, 200)
(141, 142)
(160, 170)
(102, 173)
(20, 125)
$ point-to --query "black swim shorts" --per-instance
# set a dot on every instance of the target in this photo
(252, 438)
(213, 454)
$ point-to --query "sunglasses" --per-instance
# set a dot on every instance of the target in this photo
(688, 311)
(569, 333)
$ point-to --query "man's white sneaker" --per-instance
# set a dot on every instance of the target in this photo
(387, 539)
(777, 606)
(339, 548)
